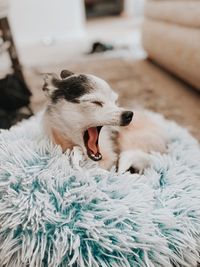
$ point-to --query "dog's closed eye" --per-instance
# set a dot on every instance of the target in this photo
(98, 103)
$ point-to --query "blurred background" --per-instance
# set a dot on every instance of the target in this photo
(149, 51)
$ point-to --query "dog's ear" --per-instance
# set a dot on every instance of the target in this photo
(49, 83)
(66, 73)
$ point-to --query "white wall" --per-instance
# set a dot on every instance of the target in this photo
(134, 7)
(36, 21)
(53, 31)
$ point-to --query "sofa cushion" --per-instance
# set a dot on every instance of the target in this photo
(182, 12)
(174, 47)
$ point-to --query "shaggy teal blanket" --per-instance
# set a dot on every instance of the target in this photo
(57, 210)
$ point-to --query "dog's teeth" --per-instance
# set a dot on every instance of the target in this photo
(98, 157)
(95, 157)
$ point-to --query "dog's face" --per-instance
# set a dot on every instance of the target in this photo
(80, 104)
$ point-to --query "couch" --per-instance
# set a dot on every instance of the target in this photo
(171, 36)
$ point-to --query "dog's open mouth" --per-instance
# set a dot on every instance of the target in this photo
(91, 139)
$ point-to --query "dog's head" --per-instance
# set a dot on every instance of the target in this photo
(79, 105)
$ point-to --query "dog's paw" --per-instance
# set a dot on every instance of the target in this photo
(133, 170)
(77, 157)
(134, 161)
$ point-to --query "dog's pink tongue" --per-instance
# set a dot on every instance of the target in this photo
(93, 138)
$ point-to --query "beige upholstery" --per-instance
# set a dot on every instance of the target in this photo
(186, 13)
(3, 8)
(171, 36)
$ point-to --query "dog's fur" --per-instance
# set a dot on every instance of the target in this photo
(77, 102)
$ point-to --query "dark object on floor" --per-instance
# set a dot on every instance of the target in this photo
(10, 118)
(14, 94)
(99, 47)
(7, 119)
(99, 8)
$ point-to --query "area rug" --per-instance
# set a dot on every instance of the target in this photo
(57, 210)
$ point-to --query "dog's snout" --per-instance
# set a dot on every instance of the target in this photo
(126, 118)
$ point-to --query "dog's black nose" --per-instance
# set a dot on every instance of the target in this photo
(126, 118)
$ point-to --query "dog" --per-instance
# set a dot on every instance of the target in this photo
(82, 110)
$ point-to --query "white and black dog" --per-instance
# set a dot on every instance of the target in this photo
(82, 111)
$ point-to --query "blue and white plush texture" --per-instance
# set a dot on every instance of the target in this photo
(55, 213)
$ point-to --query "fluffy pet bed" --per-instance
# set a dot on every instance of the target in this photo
(58, 211)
